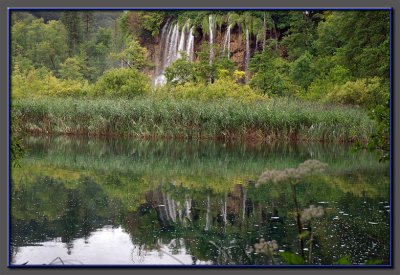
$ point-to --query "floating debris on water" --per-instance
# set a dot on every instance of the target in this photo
(336, 218)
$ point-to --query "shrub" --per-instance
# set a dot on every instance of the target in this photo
(221, 89)
(180, 72)
(362, 92)
(323, 85)
(121, 82)
(41, 82)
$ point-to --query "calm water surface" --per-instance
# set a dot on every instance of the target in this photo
(130, 202)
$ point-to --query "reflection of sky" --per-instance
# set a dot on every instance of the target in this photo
(106, 246)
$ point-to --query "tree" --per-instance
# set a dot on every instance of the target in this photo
(87, 23)
(302, 71)
(181, 71)
(44, 44)
(124, 82)
(270, 74)
(94, 54)
(71, 69)
(134, 56)
(73, 23)
(301, 33)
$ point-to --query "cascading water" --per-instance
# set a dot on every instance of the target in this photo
(163, 43)
(227, 41)
(190, 45)
(172, 43)
(171, 55)
(181, 46)
(247, 56)
(211, 36)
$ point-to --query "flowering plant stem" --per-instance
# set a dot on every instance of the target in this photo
(299, 225)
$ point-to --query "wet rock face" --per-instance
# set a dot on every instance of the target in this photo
(158, 51)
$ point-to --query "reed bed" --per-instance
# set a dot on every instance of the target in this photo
(281, 119)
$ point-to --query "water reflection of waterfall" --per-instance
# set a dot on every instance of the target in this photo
(244, 202)
(207, 227)
(172, 44)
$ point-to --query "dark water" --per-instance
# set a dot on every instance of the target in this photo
(143, 202)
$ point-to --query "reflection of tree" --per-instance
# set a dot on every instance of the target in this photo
(52, 209)
(70, 219)
(237, 217)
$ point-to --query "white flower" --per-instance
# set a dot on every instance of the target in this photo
(311, 212)
(306, 168)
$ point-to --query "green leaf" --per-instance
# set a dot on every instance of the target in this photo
(374, 262)
(304, 234)
(291, 258)
(345, 260)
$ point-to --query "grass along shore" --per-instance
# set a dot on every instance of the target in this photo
(283, 119)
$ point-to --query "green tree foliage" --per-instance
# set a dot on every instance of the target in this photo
(71, 68)
(180, 72)
(302, 71)
(73, 24)
(145, 23)
(362, 92)
(43, 44)
(87, 23)
(366, 48)
(301, 34)
(95, 54)
(325, 83)
(41, 82)
(123, 82)
(134, 56)
(270, 74)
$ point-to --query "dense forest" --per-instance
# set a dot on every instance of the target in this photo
(297, 75)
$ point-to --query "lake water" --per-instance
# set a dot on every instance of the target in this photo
(124, 202)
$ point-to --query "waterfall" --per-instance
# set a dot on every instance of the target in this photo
(181, 45)
(173, 46)
(163, 43)
(190, 45)
(247, 57)
(172, 43)
(211, 36)
(227, 41)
